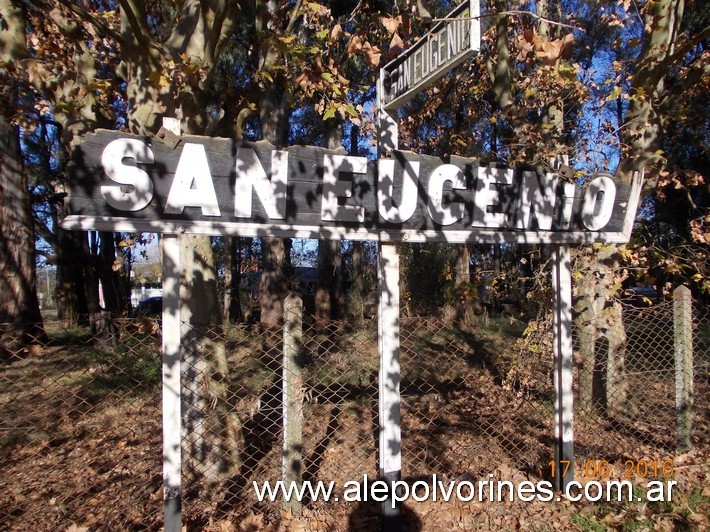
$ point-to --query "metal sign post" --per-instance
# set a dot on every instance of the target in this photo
(563, 365)
(172, 412)
(390, 432)
(172, 373)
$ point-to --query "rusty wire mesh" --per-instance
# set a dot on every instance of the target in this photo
(80, 422)
(338, 387)
(634, 414)
(459, 416)
(80, 434)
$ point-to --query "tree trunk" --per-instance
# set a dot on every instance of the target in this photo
(72, 293)
(112, 280)
(274, 286)
(232, 280)
(212, 428)
(588, 307)
(464, 309)
(617, 386)
(329, 295)
(19, 306)
(69, 302)
(356, 305)
(641, 137)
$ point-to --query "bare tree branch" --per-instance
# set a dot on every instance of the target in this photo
(102, 28)
(514, 12)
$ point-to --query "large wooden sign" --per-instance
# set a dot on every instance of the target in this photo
(449, 43)
(220, 186)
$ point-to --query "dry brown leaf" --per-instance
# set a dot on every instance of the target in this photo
(525, 44)
(225, 526)
(336, 33)
(297, 526)
(372, 55)
(251, 523)
(390, 23)
(355, 44)
(697, 518)
(396, 45)
(34, 350)
(552, 51)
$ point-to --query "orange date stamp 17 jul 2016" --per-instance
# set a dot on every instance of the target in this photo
(630, 468)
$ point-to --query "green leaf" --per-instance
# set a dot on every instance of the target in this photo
(329, 113)
(614, 94)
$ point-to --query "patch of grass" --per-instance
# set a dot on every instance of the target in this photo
(67, 336)
(14, 438)
(638, 525)
(131, 367)
(696, 500)
(588, 523)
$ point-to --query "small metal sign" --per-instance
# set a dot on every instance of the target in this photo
(449, 43)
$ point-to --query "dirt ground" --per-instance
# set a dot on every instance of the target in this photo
(80, 449)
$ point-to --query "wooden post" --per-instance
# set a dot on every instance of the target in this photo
(292, 397)
(683, 342)
(563, 364)
(172, 420)
(389, 378)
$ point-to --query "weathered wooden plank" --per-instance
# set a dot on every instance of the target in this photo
(214, 184)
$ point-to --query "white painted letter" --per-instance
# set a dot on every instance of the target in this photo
(192, 185)
(568, 203)
(488, 195)
(385, 191)
(596, 210)
(455, 210)
(123, 198)
(251, 174)
(334, 188)
(538, 197)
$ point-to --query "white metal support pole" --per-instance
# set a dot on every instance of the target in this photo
(172, 384)
(563, 364)
(172, 414)
(389, 378)
(390, 434)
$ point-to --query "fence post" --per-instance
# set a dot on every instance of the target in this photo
(683, 342)
(292, 397)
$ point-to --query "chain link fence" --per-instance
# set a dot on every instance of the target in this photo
(80, 419)
(80, 430)
(637, 395)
